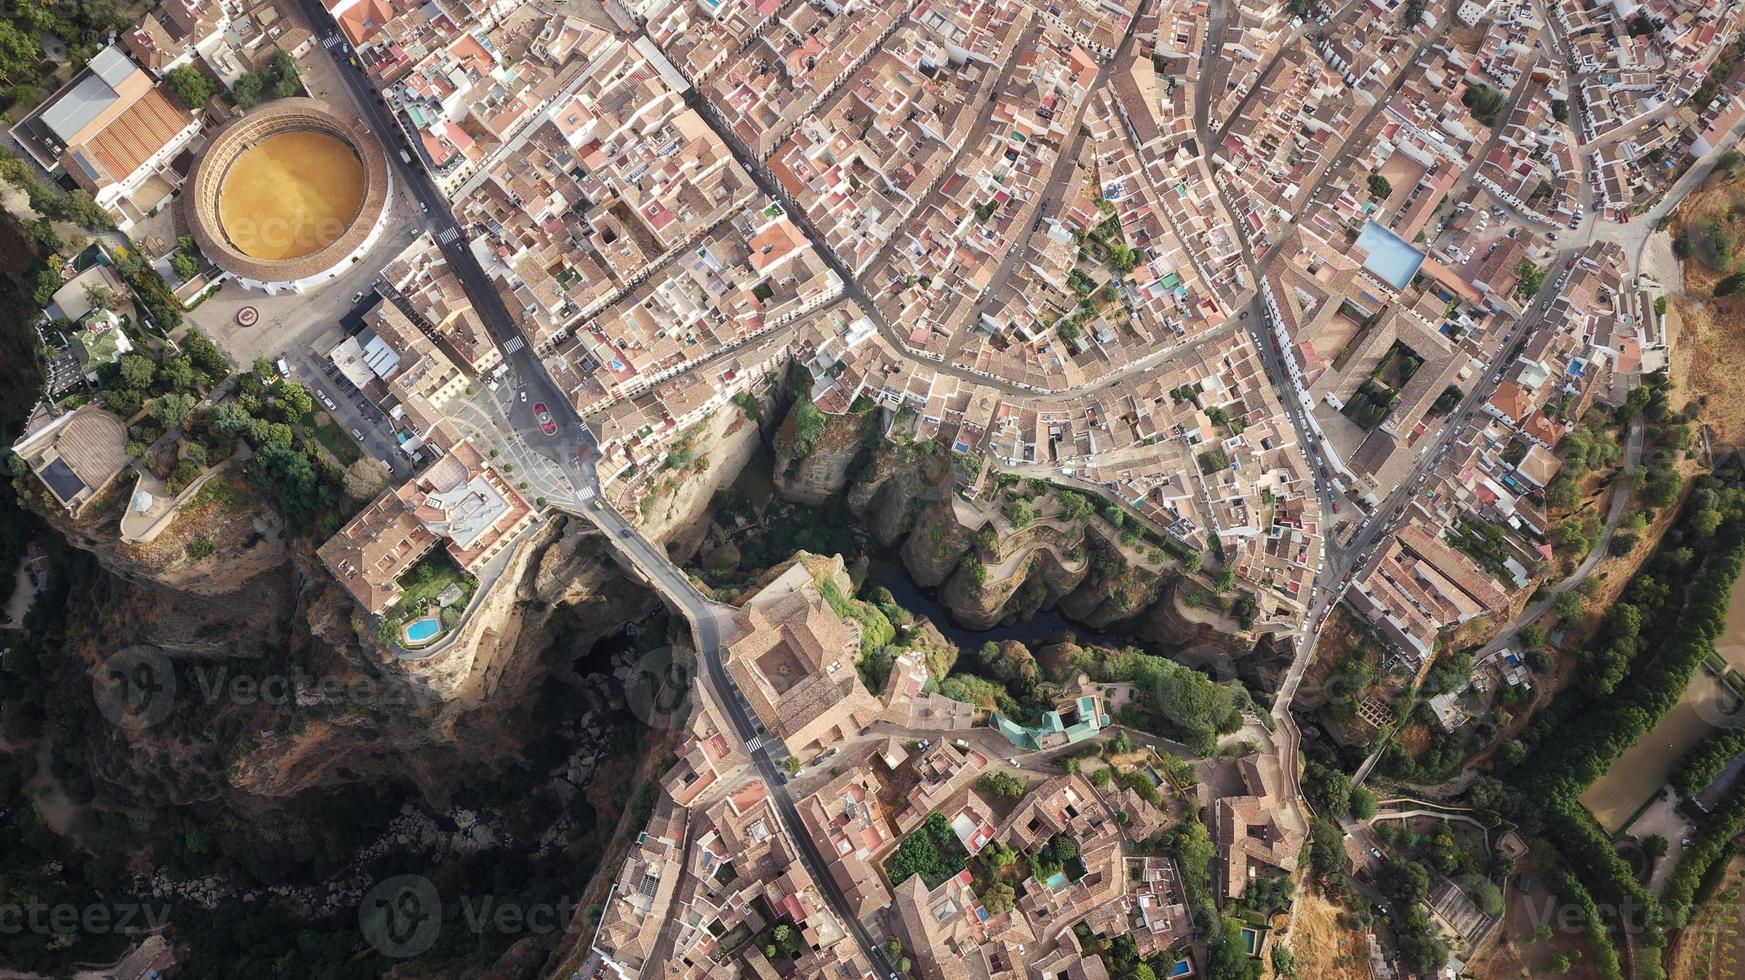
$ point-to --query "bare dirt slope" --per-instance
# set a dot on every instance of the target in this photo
(1324, 948)
(1708, 334)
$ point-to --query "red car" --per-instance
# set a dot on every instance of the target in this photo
(546, 424)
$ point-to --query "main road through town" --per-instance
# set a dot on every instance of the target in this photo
(712, 625)
(529, 373)
(572, 445)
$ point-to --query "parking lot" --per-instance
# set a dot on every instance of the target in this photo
(361, 420)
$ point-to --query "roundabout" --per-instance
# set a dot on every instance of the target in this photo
(288, 196)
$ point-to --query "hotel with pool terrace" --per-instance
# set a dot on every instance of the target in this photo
(388, 556)
(289, 196)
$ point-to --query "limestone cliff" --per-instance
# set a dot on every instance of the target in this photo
(313, 704)
(1002, 560)
(811, 466)
(217, 544)
(719, 448)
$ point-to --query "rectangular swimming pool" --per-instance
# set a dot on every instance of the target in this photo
(1389, 256)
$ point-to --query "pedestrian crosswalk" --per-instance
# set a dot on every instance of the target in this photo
(514, 344)
(330, 41)
(755, 743)
(450, 235)
(585, 494)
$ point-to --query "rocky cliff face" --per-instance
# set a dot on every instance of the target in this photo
(279, 686)
(726, 440)
(823, 468)
(220, 541)
(312, 704)
(991, 569)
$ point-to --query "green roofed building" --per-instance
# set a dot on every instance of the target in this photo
(1073, 720)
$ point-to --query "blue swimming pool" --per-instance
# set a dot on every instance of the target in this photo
(1250, 941)
(1388, 255)
(423, 630)
(1056, 880)
(1181, 969)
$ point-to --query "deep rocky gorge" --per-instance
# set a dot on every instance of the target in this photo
(301, 754)
(986, 571)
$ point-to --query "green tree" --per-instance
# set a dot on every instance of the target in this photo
(1362, 803)
(185, 266)
(1229, 960)
(248, 90)
(177, 372)
(173, 409)
(136, 371)
(83, 208)
(191, 88)
(1531, 279)
(809, 424)
(123, 401)
(293, 399)
(1379, 188)
(1484, 101)
(1569, 606)
(18, 51)
(284, 72)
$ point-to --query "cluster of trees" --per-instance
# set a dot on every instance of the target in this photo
(1708, 846)
(1645, 657)
(47, 200)
(277, 79)
(187, 260)
(1608, 655)
(809, 423)
(1560, 882)
(1379, 188)
(190, 86)
(1191, 846)
(83, 26)
(1699, 766)
(1530, 278)
(150, 291)
(932, 851)
(288, 466)
(1330, 791)
(169, 385)
(1407, 887)
(1185, 704)
(1001, 786)
(1588, 447)
(1484, 101)
(1575, 751)
(1370, 404)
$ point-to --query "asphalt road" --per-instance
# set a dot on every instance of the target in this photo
(526, 371)
(709, 633)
